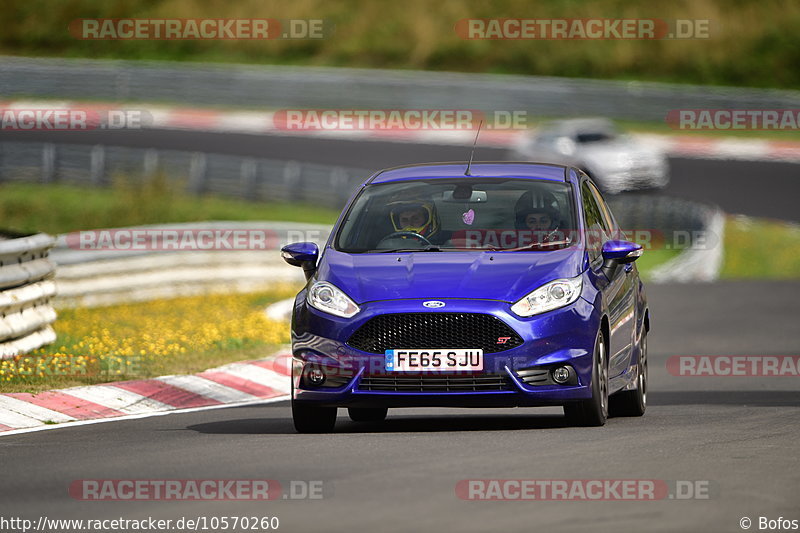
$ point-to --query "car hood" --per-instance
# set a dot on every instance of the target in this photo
(506, 276)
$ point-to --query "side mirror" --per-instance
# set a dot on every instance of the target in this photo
(302, 254)
(621, 252)
(617, 253)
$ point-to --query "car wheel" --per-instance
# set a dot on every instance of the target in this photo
(367, 414)
(313, 418)
(594, 411)
(633, 402)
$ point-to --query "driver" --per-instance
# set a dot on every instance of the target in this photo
(414, 216)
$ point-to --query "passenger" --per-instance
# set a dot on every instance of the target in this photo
(539, 221)
(535, 213)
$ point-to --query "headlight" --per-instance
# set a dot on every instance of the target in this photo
(328, 298)
(549, 296)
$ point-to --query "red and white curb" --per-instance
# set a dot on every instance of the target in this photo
(248, 382)
(263, 123)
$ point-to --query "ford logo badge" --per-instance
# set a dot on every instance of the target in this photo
(433, 304)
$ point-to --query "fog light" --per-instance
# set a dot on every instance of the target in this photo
(561, 374)
(316, 376)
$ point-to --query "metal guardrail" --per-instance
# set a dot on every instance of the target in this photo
(666, 216)
(696, 229)
(26, 291)
(205, 84)
(698, 262)
(228, 175)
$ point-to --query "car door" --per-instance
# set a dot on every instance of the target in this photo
(621, 295)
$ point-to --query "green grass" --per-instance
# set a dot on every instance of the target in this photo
(652, 258)
(752, 43)
(143, 340)
(191, 363)
(59, 208)
(761, 249)
(754, 249)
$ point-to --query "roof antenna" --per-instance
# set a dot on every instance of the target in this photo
(472, 153)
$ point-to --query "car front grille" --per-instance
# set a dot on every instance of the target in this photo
(434, 330)
(435, 383)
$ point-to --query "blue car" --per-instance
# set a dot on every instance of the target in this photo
(482, 285)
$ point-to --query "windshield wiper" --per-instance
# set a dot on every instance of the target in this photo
(540, 245)
(431, 248)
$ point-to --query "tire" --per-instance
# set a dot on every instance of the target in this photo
(633, 402)
(312, 418)
(367, 414)
(594, 411)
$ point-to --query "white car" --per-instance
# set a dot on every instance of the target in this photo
(616, 162)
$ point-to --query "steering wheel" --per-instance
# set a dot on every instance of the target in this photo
(409, 234)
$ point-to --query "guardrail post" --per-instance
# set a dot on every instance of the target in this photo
(338, 180)
(249, 178)
(122, 88)
(150, 163)
(48, 162)
(98, 164)
(292, 174)
(197, 173)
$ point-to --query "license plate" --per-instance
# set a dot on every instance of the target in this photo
(439, 359)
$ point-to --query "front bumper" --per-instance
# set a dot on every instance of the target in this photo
(562, 337)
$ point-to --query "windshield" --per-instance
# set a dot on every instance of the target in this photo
(459, 214)
(593, 137)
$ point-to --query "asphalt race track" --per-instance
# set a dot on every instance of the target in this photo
(737, 436)
(762, 189)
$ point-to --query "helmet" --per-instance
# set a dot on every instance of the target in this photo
(418, 216)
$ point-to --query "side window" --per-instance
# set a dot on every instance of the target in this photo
(607, 219)
(596, 232)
